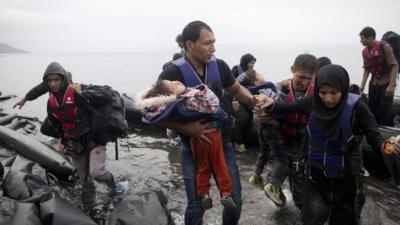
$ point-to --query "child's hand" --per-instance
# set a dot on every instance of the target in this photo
(263, 102)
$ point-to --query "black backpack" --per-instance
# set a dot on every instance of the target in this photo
(107, 122)
(394, 41)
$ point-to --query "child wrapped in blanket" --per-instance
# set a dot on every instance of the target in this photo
(172, 100)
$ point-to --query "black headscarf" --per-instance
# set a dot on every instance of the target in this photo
(329, 119)
(323, 61)
(245, 60)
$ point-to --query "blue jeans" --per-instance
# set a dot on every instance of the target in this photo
(194, 211)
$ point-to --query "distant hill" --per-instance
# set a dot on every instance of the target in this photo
(5, 48)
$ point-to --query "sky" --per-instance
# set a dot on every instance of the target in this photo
(59, 26)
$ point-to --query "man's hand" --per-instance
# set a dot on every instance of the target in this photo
(59, 146)
(235, 105)
(77, 88)
(20, 103)
(390, 90)
(195, 129)
(396, 145)
(203, 137)
(198, 130)
(263, 102)
(254, 100)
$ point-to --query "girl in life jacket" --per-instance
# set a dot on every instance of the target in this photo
(334, 154)
(172, 100)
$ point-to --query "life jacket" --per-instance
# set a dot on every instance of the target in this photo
(329, 155)
(294, 121)
(66, 112)
(374, 61)
(240, 69)
(191, 79)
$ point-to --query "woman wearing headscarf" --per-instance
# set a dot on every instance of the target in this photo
(247, 62)
(337, 121)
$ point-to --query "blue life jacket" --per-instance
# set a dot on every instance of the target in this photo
(240, 69)
(191, 79)
(328, 155)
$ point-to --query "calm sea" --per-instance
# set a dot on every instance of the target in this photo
(132, 72)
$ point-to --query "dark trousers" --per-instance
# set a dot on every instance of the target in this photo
(338, 198)
(264, 154)
(243, 119)
(288, 157)
(379, 104)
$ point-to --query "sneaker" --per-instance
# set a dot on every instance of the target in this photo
(275, 194)
(206, 202)
(240, 148)
(364, 172)
(120, 189)
(228, 202)
(256, 181)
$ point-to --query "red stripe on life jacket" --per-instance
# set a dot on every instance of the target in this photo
(66, 112)
(293, 121)
(373, 59)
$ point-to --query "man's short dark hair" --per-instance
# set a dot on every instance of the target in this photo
(191, 32)
(306, 62)
(368, 32)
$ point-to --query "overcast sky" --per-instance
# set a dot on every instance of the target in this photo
(46, 26)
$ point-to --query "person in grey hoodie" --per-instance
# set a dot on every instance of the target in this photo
(37, 91)
(69, 112)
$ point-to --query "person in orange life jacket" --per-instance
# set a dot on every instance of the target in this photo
(171, 99)
(37, 91)
(68, 112)
(381, 63)
(200, 66)
(334, 154)
(286, 134)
